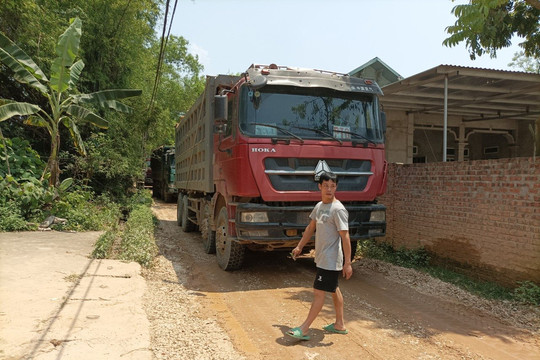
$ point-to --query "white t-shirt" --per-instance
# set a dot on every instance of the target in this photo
(331, 218)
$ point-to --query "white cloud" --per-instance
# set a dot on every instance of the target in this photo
(202, 53)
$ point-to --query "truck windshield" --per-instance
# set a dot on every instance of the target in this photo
(310, 113)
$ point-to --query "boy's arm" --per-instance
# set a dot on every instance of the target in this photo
(308, 233)
(346, 244)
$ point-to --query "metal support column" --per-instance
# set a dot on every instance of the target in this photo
(445, 127)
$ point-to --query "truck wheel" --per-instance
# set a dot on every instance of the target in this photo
(230, 254)
(208, 236)
(179, 210)
(166, 196)
(187, 225)
(354, 246)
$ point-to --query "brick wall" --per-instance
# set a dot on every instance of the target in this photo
(482, 217)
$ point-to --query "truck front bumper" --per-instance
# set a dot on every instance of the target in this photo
(282, 226)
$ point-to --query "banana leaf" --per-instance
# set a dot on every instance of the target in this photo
(66, 50)
(75, 73)
(37, 121)
(118, 106)
(21, 73)
(21, 57)
(86, 115)
(102, 98)
(75, 134)
(17, 109)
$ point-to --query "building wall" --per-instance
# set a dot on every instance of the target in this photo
(482, 217)
(398, 136)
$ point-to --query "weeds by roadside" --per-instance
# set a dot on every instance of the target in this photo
(419, 259)
(134, 240)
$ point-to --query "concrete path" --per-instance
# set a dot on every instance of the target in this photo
(57, 303)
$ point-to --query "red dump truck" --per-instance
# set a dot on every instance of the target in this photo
(249, 150)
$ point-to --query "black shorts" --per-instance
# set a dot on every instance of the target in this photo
(326, 280)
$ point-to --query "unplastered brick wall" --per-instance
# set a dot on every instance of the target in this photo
(481, 217)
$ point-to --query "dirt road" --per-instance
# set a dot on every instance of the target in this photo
(391, 313)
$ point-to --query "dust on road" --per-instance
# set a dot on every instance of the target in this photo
(199, 311)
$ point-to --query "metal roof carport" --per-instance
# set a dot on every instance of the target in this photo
(461, 97)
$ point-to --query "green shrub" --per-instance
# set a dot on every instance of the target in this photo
(138, 243)
(140, 197)
(24, 162)
(527, 293)
(26, 200)
(11, 218)
(84, 211)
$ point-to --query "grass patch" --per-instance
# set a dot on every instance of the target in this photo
(134, 240)
(419, 259)
(527, 293)
(137, 240)
(103, 249)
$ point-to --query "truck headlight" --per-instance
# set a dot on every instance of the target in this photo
(378, 216)
(254, 217)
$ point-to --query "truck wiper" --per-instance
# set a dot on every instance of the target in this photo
(320, 132)
(358, 136)
(285, 131)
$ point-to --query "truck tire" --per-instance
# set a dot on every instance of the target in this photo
(187, 225)
(166, 196)
(208, 236)
(230, 254)
(354, 246)
(179, 210)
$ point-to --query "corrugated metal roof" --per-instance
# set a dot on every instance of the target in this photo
(475, 94)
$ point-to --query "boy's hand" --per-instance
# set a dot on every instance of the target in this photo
(295, 252)
(347, 271)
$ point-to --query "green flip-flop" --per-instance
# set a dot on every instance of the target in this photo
(297, 334)
(331, 328)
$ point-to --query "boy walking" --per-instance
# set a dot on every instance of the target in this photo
(332, 246)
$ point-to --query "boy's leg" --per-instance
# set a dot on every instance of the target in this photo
(338, 306)
(316, 306)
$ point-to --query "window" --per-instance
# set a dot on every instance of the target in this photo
(491, 150)
(310, 113)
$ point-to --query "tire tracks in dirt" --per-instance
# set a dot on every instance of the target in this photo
(386, 319)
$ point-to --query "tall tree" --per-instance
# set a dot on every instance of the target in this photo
(120, 50)
(65, 105)
(489, 25)
(525, 63)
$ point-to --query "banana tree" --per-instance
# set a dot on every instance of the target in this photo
(65, 105)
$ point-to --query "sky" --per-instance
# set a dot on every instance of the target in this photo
(335, 35)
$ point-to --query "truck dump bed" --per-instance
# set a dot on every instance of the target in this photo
(194, 139)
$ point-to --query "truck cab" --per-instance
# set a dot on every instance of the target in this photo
(274, 130)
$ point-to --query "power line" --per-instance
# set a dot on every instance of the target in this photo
(163, 46)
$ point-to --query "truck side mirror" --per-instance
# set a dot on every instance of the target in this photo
(220, 108)
(383, 122)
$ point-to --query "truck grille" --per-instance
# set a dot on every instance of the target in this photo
(294, 174)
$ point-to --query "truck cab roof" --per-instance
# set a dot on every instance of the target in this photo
(262, 75)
